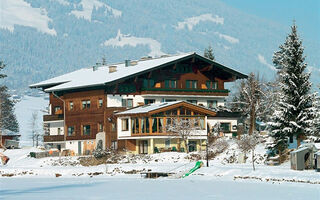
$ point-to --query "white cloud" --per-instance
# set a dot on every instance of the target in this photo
(122, 40)
(89, 5)
(228, 38)
(192, 21)
(263, 61)
(18, 12)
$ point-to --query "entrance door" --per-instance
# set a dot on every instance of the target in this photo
(143, 146)
(79, 147)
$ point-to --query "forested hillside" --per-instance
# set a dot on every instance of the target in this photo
(59, 36)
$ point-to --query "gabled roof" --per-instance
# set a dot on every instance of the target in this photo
(160, 107)
(87, 77)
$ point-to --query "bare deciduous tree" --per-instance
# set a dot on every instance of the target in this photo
(251, 100)
(248, 143)
(183, 128)
(34, 129)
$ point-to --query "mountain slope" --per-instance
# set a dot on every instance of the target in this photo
(64, 35)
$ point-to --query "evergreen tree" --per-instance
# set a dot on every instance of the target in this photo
(8, 119)
(208, 53)
(316, 121)
(293, 114)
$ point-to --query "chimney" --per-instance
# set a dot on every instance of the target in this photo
(112, 69)
(127, 63)
(95, 67)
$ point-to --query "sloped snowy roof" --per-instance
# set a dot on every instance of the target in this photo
(87, 77)
(148, 108)
(156, 106)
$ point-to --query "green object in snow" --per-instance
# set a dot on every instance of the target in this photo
(197, 166)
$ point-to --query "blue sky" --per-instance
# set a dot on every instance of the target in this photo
(305, 12)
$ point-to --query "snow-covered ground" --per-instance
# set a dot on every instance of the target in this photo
(29, 178)
(23, 111)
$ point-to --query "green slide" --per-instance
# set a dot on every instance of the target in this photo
(197, 166)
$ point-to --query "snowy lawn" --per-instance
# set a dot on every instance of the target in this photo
(193, 187)
(30, 178)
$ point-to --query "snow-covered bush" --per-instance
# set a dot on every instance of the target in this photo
(248, 143)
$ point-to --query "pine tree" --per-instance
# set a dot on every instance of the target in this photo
(316, 121)
(294, 112)
(208, 53)
(8, 119)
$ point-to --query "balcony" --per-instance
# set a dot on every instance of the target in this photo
(53, 138)
(188, 91)
(52, 117)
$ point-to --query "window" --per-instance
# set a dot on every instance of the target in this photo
(57, 109)
(114, 145)
(170, 84)
(113, 127)
(148, 83)
(100, 127)
(212, 103)
(191, 84)
(212, 85)
(70, 130)
(225, 127)
(125, 124)
(100, 103)
(70, 105)
(135, 125)
(149, 101)
(86, 104)
(192, 101)
(59, 131)
(167, 143)
(128, 103)
(86, 130)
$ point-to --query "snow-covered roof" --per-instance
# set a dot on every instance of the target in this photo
(148, 108)
(155, 106)
(87, 77)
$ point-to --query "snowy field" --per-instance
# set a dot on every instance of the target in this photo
(23, 111)
(29, 178)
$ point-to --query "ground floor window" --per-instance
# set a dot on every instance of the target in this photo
(225, 127)
(86, 130)
(114, 145)
(192, 146)
(167, 143)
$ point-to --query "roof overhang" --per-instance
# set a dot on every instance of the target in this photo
(188, 105)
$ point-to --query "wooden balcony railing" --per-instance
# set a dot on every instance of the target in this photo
(52, 117)
(53, 138)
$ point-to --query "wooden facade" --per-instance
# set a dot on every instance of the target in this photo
(86, 111)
